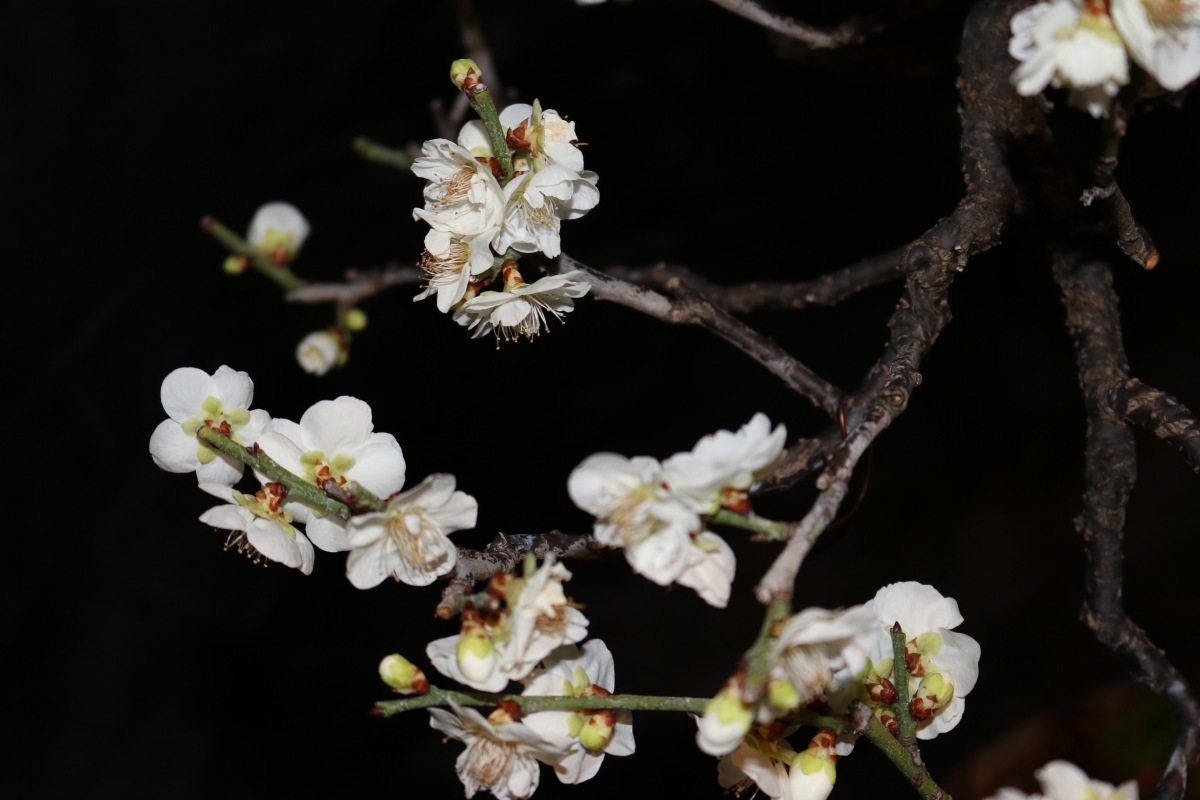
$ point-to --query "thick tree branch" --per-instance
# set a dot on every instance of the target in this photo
(828, 290)
(1110, 469)
(1157, 413)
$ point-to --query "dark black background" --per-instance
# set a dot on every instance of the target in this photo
(141, 660)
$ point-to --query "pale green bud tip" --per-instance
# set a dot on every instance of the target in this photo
(597, 732)
(235, 265)
(729, 709)
(464, 74)
(356, 319)
(402, 675)
(810, 763)
(783, 695)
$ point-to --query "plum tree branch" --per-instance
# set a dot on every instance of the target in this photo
(1110, 470)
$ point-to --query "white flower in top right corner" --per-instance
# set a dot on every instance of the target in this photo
(1163, 37)
(943, 665)
(1072, 44)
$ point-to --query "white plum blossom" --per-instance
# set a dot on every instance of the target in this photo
(947, 663)
(759, 762)
(655, 511)
(320, 352)
(1162, 36)
(722, 461)
(461, 195)
(536, 620)
(570, 672)
(260, 525)
(521, 310)
(535, 204)
(192, 398)
(451, 262)
(1062, 780)
(709, 570)
(1072, 44)
(409, 541)
(821, 653)
(502, 755)
(549, 138)
(725, 722)
(278, 230)
(541, 620)
(634, 511)
(335, 441)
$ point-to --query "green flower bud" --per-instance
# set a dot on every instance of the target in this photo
(356, 319)
(782, 695)
(402, 675)
(465, 74)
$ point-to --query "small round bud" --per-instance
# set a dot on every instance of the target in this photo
(402, 675)
(782, 695)
(465, 75)
(236, 265)
(598, 730)
(356, 319)
(725, 722)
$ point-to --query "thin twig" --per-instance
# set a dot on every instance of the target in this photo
(828, 290)
(853, 30)
(359, 285)
(692, 309)
(1159, 414)
(1132, 238)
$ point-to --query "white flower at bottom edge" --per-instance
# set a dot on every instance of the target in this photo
(267, 531)
(1062, 780)
(320, 352)
(1061, 44)
(279, 231)
(752, 762)
(522, 311)
(409, 541)
(191, 398)
(567, 671)
(634, 512)
(1163, 36)
(501, 758)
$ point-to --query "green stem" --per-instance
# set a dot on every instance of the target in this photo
(482, 104)
(758, 657)
(267, 466)
(907, 731)
(373, 151)
(775, 531)
(901, 757)
(531, 703)
(283, 276)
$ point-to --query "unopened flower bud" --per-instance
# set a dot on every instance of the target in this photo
(597, 730)
(475, 653)
(782, 694)
(356, 319)
(402, 675)
(882, 690)
(813, 772)
(236, 265)
(934, 692)
(320, 352)
(466, 75)
(725, 722)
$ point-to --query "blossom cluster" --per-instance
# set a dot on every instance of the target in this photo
(830, 659)
(1086, 45)
(482, 220)
(656, 511)
(503, 749)
(335, 448)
